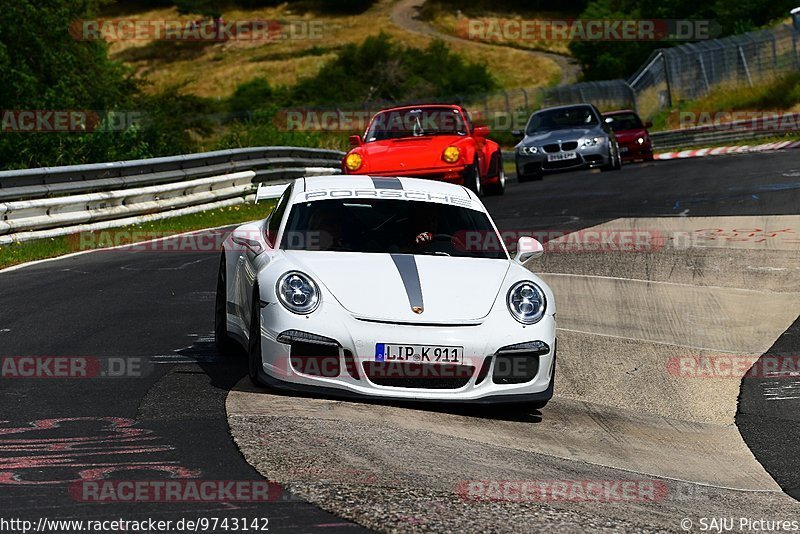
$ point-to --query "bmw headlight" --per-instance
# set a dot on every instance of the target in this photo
(298, 293)
(527, 150)
(640, 140)
(592, 141)
(526, 302)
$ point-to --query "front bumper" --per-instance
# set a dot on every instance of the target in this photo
(487, 376)
(452, 174)
(634, 151)
(586, 157)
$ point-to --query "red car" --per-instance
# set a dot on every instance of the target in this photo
(632, 136)
(438, 142)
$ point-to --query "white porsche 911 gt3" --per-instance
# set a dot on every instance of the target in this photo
(395, 288)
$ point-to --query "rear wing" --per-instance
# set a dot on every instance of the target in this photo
(267, 192)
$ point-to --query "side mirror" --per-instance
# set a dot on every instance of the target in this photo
(517, 133)
(481, 131)
(355, 140)
(648, 124)
(528, 248)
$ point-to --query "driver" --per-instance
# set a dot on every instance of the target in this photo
(327, 222)
(424, 222)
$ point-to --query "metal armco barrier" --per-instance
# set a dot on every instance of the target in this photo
(728, 133)
(56, 201)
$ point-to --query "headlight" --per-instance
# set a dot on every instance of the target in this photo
(298, 293)
(591, 141)
(640, 140)
(526, 302)
(353, 162)
(451, 154)
(528, 150)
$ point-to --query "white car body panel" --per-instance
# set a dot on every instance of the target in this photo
(364, 302)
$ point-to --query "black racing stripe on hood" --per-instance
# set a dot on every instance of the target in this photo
(386, 183)
(407, 267)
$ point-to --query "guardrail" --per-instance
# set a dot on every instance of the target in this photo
(736, 131)
(56, 201)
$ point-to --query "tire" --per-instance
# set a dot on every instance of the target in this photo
(472, 178)
(537, 405)
(500, 187)
(254, 343)
(612, 162)
(618, 164)
(225, 345)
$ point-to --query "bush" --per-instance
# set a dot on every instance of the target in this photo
(382, 70)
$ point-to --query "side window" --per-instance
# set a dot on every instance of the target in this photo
(274, 220)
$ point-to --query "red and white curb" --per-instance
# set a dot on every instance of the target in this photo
(722, 150)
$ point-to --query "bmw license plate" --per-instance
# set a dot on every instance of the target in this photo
(395, 352)
(623, 149)
(561, 156)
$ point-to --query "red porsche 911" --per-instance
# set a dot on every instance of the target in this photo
(438, 142)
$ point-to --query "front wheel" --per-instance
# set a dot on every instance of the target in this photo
(222, 340)
(472, 178)
(499, 187)
(254, 344)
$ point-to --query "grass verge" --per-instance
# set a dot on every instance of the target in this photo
(779, 94)
(39, 249)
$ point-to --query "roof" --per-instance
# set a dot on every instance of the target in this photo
(361, 181)
(357, 185)
(619, 112)
(419, 106)
(578, 105)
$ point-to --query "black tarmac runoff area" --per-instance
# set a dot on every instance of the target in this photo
(151, 406)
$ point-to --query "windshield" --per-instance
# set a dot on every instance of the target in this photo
(390, 226)
(624, 121)
(562, 119)
(417, 122)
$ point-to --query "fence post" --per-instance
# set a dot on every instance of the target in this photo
(744, 62)
(703, 70)
(525, 97)
(667, 79)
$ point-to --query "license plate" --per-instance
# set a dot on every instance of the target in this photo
(561, 156)
(623, 149)
(396, 352)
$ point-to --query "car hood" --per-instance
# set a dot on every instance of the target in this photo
(572, 134)
(407, 153)
(371, 286)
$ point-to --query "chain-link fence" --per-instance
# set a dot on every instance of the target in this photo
(669, 75)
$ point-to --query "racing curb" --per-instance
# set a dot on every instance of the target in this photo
(723, 150)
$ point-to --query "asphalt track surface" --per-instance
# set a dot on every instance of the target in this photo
(156, 308)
